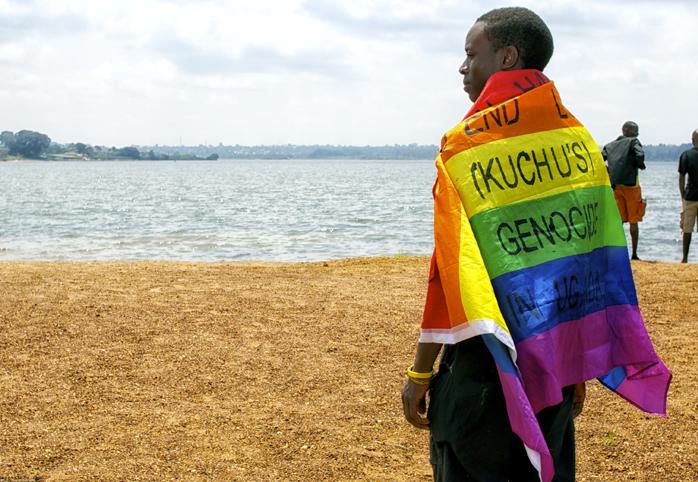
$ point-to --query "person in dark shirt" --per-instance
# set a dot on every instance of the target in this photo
(624, 157)
(688, 166)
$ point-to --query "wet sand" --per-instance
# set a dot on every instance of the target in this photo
(260, 371)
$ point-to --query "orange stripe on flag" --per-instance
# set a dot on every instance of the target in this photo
(447, 229)
(539, 110)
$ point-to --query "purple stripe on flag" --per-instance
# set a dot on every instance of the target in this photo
(525, 425)
(646, 387)
(521, 415)
(591, 347)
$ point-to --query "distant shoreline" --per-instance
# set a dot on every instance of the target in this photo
(121, 159)
(48, 150)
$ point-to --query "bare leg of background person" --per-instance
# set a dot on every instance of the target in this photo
(686, 245)
(634, 234)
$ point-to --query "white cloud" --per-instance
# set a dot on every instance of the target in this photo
(349, 72)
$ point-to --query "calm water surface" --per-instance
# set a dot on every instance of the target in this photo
(292, 210)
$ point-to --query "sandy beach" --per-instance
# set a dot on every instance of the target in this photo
(265, 371)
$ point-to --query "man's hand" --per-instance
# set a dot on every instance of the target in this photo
(414, 403)
(580, 394)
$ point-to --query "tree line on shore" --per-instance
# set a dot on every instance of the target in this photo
(36, 145)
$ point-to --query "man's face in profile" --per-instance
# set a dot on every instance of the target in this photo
(481, 61)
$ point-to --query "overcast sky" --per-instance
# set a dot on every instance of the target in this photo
(327, 72)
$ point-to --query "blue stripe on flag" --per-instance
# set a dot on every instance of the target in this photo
(500, 353)
(534, 300)
(614, 378)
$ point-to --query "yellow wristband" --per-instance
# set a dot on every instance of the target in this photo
(422, 378)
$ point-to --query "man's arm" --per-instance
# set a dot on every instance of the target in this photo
(580, 394)
(682, 174)
(414, 401)
(638, 154)
(682, 183)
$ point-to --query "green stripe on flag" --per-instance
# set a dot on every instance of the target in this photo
(529, 233)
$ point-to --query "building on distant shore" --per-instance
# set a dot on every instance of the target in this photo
(66, 156)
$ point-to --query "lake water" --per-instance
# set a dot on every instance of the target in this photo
(291, 210)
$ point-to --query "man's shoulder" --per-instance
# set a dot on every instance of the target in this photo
(636, 147)
(618, 149)
(690, 154)
(620, 140)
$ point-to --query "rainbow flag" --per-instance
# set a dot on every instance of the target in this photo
(530, 253)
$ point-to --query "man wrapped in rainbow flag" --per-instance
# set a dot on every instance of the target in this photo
(530, 286)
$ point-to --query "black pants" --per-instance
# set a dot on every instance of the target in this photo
(471, 438)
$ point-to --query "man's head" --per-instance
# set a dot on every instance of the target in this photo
(694, 138)
(631, 129)
(504, 39)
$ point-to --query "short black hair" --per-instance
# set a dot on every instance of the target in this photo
(631, 129)
(524, 30)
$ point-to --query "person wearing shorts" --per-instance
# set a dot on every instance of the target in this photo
(630, 203)
(688, 166)
(624, 157)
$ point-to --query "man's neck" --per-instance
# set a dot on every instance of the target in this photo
(505, 84)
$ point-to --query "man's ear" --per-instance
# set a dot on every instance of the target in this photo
(511, 59)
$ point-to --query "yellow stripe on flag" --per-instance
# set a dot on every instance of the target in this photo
(476, 291)
(525, 167)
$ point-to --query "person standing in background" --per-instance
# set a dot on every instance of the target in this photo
(624, 157)
(688, 165)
